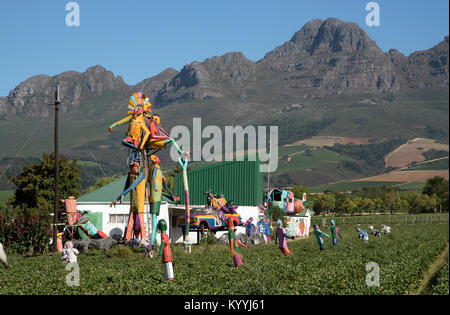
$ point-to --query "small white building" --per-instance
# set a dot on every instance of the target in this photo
(299, 224)
(113, 220)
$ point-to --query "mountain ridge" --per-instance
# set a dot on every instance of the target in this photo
(324, 58)
(329, 78)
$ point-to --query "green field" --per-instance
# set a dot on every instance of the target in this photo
(304, 157)
(402, 256)
(442, 281)
(418, 187)
(437, 165)
(377, 220)
(289, 149)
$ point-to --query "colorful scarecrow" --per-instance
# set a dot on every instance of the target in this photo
(335, 232)
(319, 235)
(281, 235)
(234, 243)
(165, 252)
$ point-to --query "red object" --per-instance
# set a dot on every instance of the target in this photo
(285, 251)
(167, 254)
(101, 234)
(154, 132)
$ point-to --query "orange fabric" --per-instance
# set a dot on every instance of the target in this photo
(285, 251)
(301, 226)
(129, 231)
(141, 221)
(71, 210)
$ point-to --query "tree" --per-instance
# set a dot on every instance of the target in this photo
(323, 203)
(391, 200)
(378, 205)
(275, 214)
(436, 185)
(35, 184)
(368, 205)
(348, 205)
(439, 187)
(299, 190)
(404, 204)
(358, 201)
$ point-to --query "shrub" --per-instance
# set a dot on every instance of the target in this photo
(275, 214)
(25, 230)
(123, 252)
(209, 238)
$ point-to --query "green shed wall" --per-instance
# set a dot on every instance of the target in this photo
(240, 181)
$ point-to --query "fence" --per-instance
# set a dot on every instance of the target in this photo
(383, 219)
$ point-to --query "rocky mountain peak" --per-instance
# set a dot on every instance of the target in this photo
(324, 37)
(335, 35)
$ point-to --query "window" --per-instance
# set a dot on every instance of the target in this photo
(118, 218)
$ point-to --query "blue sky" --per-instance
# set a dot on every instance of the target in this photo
(140, 38)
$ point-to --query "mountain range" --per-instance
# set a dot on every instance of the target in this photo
(330, 78)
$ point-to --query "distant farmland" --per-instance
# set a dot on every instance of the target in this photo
(302, 157)
(406, 176)
(321, 141)
(441, 164)
(412, 152)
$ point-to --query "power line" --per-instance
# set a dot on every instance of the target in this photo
(86, 147)
(25, 143)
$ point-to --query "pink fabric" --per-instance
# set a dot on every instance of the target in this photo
(139, 97)
(237, 260)
(279, 233)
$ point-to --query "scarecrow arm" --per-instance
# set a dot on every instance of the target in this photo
(120, 122)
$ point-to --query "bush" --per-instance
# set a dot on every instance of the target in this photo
(208, 238)
(121, 251)
(25, 230)
(275, 214)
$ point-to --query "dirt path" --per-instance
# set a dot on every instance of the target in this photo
(431, 274)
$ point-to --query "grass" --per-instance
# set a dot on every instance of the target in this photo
(5, 195)
(309, 158)
(441, 283)
(417, 187)
(290, 149)
(378, 219)
(403, 256)
(437, 165)
(432, 274)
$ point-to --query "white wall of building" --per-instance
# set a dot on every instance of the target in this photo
(168, 212)
(121, 212)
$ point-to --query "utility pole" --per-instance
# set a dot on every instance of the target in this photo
(55, 212)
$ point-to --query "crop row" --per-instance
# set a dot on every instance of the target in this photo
(402, 257)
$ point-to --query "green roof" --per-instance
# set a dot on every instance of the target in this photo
(109, 193)
(303, 213)
(240, 181)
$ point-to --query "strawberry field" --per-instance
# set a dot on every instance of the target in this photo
(402, 256)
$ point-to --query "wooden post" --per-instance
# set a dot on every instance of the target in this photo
(55, 211)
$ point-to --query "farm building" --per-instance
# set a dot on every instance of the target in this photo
(299, 225)
(240, 181)
(113, 220)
